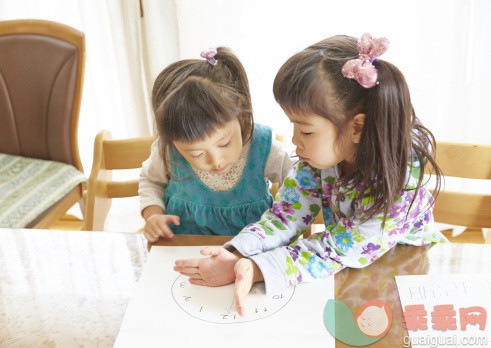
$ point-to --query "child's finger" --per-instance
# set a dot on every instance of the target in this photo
(196, 281)
(165, 231)
(190, 270)
(242, 268)
(211, 250)
(238, 294)
(191, 274)
(242, 285)
(149, 238)
(174, 219)
(150, 234)
(188, 263)
(152, 228)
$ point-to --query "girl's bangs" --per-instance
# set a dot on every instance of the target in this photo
(196, 113)
(299, 86)
(305, 97)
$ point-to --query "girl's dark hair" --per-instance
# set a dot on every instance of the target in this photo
(311, 83)
(192, 98)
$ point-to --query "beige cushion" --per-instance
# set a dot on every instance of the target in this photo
(30, 186)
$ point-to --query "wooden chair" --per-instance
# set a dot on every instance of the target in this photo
(41, 78)
(461, 208)
(112, 155)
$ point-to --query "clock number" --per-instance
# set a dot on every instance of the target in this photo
(182, 284)
(277, 297)
(226, 316)
(186, 298)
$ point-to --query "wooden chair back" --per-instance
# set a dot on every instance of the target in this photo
(112, 155)
(463, 161)
(41, 79)
(42, 71)
(109, 155)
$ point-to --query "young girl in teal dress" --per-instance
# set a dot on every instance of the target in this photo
(362, 157)
(209, 169)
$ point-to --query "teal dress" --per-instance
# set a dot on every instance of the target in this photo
(206, 212)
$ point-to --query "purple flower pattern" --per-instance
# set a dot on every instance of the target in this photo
(370, 248)
(287, 208)
(307, 218)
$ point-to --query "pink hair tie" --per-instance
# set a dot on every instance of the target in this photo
(209, 55)
(361, 69)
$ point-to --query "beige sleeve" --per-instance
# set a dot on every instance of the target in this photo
(278, 164)
(153, 180)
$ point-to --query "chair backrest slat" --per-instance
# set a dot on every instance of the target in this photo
(464, 160)
(121, 189)
(463, 209)
(127, 153)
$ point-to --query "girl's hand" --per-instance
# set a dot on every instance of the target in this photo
(157, 225)
(216, 270)
(246, 274)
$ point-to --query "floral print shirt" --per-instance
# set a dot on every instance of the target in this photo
(349, 240)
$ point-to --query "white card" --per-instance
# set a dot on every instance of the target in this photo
(165, 308)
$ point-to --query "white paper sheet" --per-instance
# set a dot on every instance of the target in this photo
(166, 309)
(462, 291)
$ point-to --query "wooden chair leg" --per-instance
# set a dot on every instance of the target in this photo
(81, 204)
(487, 232)
(308, 233)
(57, 212)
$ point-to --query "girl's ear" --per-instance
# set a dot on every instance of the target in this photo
(357, 124)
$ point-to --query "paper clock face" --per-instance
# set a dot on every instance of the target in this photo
(217, 305)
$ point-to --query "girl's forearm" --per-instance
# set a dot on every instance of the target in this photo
(151, 210)
(258, 275)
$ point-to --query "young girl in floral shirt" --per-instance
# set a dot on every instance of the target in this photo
(362, 157)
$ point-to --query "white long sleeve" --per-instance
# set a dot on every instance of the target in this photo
(153, 180)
